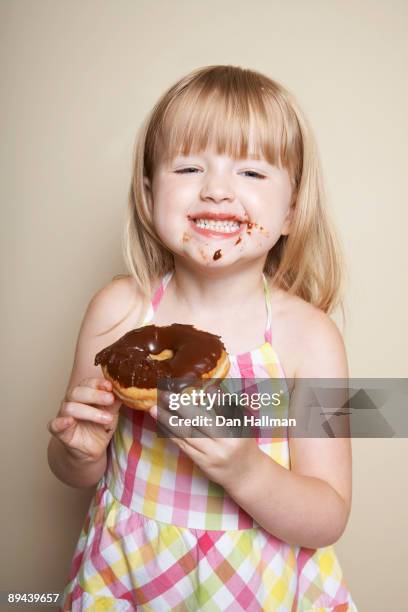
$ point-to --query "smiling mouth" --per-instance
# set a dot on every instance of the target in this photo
(221, 226)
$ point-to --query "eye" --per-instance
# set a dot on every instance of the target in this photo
(191, 170)
(185, 170)
(254, 174)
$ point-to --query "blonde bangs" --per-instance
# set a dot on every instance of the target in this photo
(238, 114)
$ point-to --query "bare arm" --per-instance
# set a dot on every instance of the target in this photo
(73, 467)
(308, 506)
(75, 472)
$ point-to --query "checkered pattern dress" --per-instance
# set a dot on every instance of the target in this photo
(160, 536)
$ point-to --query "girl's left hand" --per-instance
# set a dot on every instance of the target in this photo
(223, 460)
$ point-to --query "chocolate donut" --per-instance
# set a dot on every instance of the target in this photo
(141, 357)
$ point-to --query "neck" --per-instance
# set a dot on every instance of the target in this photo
(221, 291)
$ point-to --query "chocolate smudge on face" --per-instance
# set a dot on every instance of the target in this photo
(264, 231)
(239, 240)
(217, 254)
(252, 225)
(203, 254)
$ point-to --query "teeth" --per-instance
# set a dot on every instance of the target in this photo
(220, 226)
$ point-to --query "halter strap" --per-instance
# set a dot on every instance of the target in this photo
(157, 297)
(268, 328)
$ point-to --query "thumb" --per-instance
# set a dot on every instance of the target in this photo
(115, 407)
(153, 411)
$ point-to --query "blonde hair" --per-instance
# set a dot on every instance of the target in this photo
(221, 105)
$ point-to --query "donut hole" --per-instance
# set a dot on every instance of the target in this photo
(164, 354)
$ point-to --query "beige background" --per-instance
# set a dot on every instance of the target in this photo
(79, 78)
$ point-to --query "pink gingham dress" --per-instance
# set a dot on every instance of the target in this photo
(160, 536)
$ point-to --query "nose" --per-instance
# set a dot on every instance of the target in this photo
(217, 188)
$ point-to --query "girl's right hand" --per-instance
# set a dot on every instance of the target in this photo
(81, 425)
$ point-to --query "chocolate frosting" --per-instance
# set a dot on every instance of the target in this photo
(195, 352)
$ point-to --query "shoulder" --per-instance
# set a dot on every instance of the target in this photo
(324, 353)
(310, 335)
(113, 310)
(117, 304)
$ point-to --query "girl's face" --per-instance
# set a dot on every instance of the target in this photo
(216, 211)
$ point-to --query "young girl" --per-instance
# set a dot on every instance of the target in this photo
(227, 231)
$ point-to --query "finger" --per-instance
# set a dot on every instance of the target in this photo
(207, 408)
(96, 383)
(164, 425)
(201, 444)
(189, 446)
(90, 395)
(202, 429)
(163, 416)
(83, 412)
(115, 407)
(59, 424)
